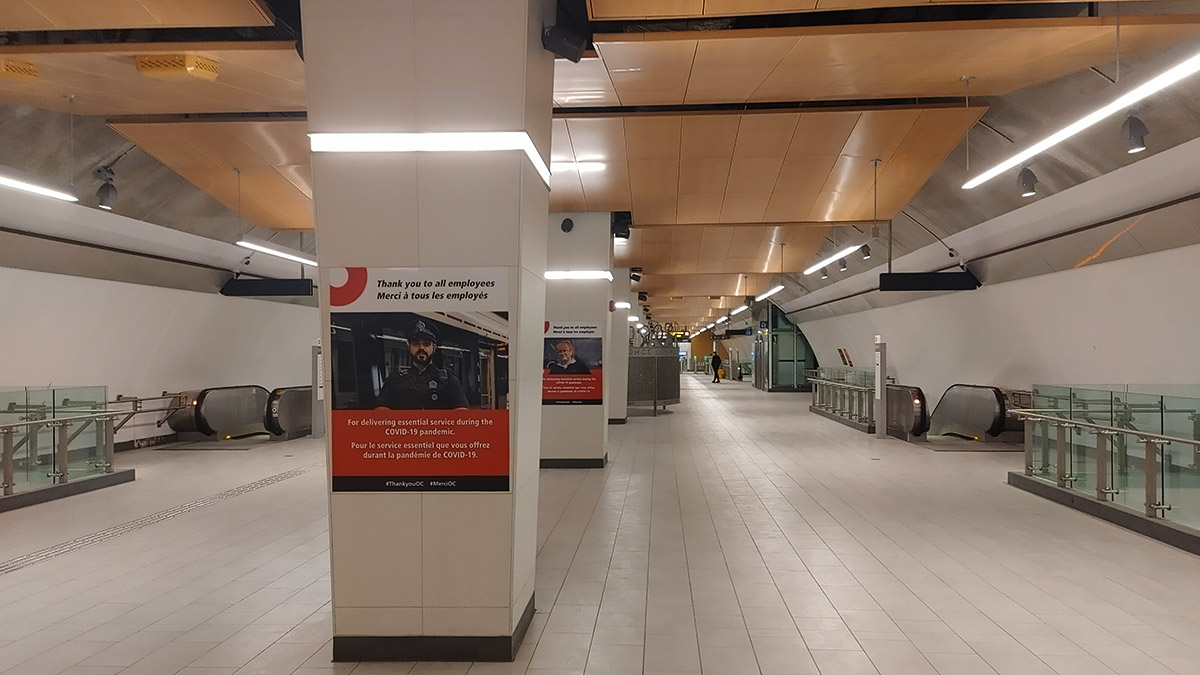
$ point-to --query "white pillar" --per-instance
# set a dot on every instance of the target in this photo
(575, 428)
(423, 574)
(618, 351)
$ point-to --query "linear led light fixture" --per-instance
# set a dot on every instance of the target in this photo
(579, 274)
(835, 256)
(739, 309)
(722, 319)
(1154, 85)
(632, 319)
(432, 141)
(768, 294)
(710, 325)
(277, 251)
(621, 304)
(581, 167)
(36, 189)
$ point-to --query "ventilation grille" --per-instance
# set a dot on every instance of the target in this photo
(21, 71)
(178, 67)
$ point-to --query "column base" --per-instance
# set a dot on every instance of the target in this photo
(433, 647)
(574, 463)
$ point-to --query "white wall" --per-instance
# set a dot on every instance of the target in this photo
(1128, 321)
(142, 340)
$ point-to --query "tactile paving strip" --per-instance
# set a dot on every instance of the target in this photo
(146, 521)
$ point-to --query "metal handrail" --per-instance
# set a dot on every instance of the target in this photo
(1142, 435)
(844, 385)
(58, 421)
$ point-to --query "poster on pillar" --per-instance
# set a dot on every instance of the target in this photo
(419, 379)
(574, 358)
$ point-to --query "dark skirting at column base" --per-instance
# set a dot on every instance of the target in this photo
(433, 647)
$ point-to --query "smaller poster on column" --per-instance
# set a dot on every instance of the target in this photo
(574, 364)
(419, 386)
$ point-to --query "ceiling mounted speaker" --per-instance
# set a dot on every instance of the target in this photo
(621, 222)
(564, 42)
(17, 70)
(178, 67)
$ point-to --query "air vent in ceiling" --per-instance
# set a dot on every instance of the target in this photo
(178, 67)
(20, 71)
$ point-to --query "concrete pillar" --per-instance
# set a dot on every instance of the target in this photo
(575, 426)
(618, 347)
(422, 569)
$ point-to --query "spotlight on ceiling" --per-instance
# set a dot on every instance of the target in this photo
(106, 196)
(866, 252)
(842, 265)
(824, 273)
(1134, 132)
(634, 276)
(1028, 182)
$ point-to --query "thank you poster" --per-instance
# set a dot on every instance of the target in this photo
(419, 386)
(573, 373)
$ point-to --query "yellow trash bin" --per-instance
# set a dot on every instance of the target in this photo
(721, 372)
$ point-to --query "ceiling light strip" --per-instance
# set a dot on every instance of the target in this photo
(1154, 85)
(432, 141)
(36, 189)
(768, 294)
(739, 309)
(264, 247)
(840, 254)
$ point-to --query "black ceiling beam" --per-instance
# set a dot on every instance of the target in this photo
(767, 106)
(853, 17)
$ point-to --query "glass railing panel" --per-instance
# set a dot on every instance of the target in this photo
(1055, 401)
(1181, 474)
(85, 450)
(1093, 406)
(1052, 400)
(1138, 412)
(38, 459)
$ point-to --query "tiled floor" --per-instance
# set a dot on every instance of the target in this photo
(736, 534)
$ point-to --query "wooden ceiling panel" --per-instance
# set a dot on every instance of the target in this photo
(38, 15)
(657, 9)
(652, 137)
(276, 181)
(654, 177)
(741, 207)
(703, 176)
(649, 73)
(787, 206)
(709, 136)
(107, 83)
(585, 83)
(700, 208)
(753, 175)
(874, 61)
(765, 135)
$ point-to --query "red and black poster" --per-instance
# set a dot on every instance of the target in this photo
(419, 380)
(573, 373)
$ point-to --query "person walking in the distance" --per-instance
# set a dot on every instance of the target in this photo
(716, 366)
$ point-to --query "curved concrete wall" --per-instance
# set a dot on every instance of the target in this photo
(1129, 321)
(141, 340)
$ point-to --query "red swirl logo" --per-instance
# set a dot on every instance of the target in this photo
(356, 283)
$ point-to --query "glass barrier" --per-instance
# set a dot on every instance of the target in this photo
(42, 451)
(1134, 445)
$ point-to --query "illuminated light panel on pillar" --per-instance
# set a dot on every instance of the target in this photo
(579, 274)
(432, 141)
(621, 304)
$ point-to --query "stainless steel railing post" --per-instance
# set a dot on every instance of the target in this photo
(64, 444)
(1029, 436)
(1064, 478)
(1104, 489)
(109, 445)
(7, 450)
(1151, 466)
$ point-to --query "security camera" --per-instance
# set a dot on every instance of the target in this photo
(952, 252)
(246, 260)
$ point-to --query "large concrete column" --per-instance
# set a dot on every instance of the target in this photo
(575, 432)
(420, 574)
(618, 347)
